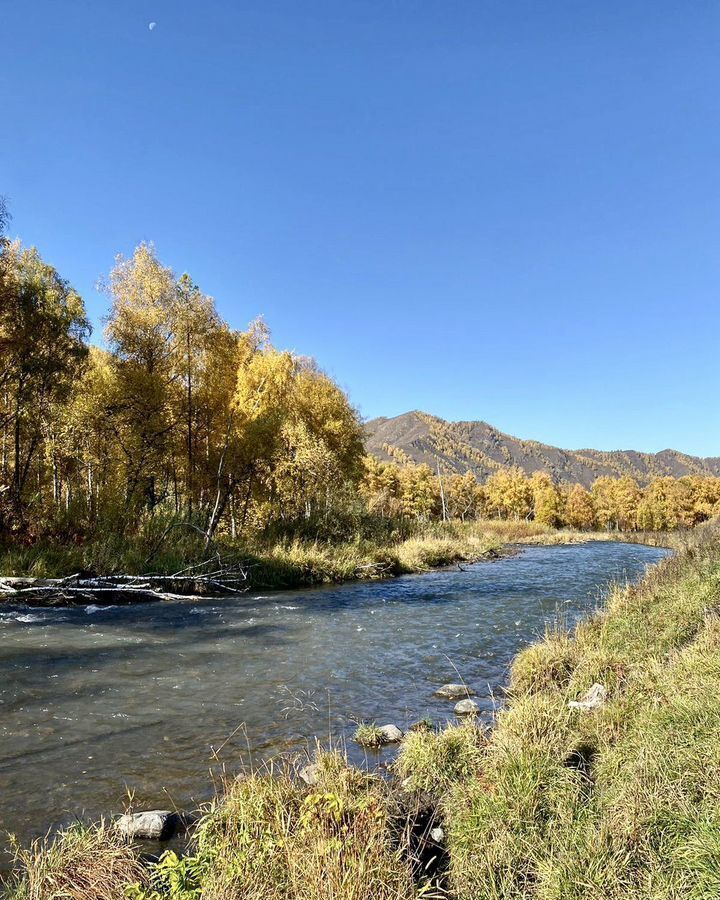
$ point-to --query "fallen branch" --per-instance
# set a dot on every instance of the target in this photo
(124, 589)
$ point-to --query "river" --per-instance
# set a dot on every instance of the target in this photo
(149, 699)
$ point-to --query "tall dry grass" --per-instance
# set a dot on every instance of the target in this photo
(80, 863)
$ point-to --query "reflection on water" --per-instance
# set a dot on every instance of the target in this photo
(95, 702)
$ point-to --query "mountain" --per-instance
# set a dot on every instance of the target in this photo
(459, 446)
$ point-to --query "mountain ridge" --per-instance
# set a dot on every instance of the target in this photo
(477, 446)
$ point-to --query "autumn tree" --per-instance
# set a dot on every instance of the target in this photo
(579, 509)
(705, 497)
(666, 504)
(465, 497)
(140, 337)
(182, 419)
(322, 446)
(91, 459)
(604, 501)
(627, 499)
(43, 327)
(196, 330)
(380, 487)
(419, 492)
(547, 500)
(508, 493)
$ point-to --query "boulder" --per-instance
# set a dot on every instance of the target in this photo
(594, 698)
(391, 734)
(454, 691)
(466, 708)
(152, 825)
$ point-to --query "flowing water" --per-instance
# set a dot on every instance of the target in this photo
(96, 703)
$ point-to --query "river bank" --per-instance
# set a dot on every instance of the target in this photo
(391, 821)
(125, 573)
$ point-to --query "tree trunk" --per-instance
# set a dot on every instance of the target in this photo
(190, 461)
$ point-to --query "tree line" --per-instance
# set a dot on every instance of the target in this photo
(620, 504)
(178, 413)
(180, 416)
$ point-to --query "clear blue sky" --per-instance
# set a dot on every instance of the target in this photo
(483, 209)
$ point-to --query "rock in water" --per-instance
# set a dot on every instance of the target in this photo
(466, 708)
(595, 697)
(391, 734)
(153, 825)
(454, 691)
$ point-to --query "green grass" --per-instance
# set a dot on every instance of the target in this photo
(270, 838)
(368, 734)
(266, 837)
(622, 802)
(271, 564)
(431, 761)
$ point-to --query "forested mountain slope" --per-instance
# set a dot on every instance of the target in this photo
(477, 446)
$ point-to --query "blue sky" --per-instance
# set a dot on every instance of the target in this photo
(489, 209)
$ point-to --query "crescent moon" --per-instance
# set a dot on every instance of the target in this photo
(152, 25)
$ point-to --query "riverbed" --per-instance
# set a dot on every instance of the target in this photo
(153, 700)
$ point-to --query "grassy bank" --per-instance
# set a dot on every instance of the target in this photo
(612, 803)
(299, 562)
(617, 802)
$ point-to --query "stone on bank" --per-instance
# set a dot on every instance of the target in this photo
(454, 691)
(152, 825)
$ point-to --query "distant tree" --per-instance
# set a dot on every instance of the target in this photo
(547, 500)
(380, 487)
(508, 493)
(419, 492)
(605, 502)
(666, 504)
(579, 509)
(627, 499)
(465, 497)
(705, 497)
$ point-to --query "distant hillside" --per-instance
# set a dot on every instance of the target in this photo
(459, 446)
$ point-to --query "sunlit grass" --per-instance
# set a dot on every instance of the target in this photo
(81, 863)
(432, 760)
(294, 562)
(367, 734)
(616, 803)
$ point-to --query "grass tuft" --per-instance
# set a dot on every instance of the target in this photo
(368, 734)
(81, 863)
(431, 761)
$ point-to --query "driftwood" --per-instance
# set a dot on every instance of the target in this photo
(374, 570)
(212, 577)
